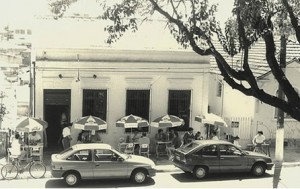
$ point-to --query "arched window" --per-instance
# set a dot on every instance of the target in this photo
(276, 109)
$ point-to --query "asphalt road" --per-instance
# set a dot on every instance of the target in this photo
(289, 178)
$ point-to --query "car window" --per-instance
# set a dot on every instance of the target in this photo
(105, 155)
(210, 150)
(188, 147)
(229, 150)
(81, 155)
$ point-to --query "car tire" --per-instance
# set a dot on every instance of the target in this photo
(139, 176)
(258, 169)
(200, 172)
(72, 178)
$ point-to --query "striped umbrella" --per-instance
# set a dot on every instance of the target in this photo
(30, 124)
(89, 123)
(167, 121)
(132, 121)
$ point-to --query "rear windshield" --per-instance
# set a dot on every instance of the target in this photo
(188, 147)
(66, 150)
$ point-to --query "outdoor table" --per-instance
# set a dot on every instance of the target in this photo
(161, 143)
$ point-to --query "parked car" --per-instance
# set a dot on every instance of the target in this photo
(201, 157)
(99, 161)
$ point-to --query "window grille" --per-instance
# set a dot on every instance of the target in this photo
(137, 103)
(95, 103)
(179, 105)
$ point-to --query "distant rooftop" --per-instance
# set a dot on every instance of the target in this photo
(257, 57)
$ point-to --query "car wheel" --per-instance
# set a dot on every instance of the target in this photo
(139, 176)
(72, 178)
(258, 169)
(200, 172)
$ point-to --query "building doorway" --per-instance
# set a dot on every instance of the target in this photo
(56, 109)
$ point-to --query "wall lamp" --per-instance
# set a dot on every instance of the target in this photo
(60, 76)
(94, 76)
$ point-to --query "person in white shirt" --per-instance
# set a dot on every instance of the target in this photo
(258, 140)
(15, 149)
(214, 135)
(34, 138)
(66, 136)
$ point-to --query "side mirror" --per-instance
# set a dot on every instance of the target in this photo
(120, 159)
(239, 153)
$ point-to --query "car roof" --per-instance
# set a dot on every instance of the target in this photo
(207, 142)
(91, 146)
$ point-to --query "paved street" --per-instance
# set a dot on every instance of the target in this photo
(177, 179)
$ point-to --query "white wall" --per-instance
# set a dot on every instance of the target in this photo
(119, 76)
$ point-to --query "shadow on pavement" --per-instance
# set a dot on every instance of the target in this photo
(188, 177)
(99, 183)
(277, 172)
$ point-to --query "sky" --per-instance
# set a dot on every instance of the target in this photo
(21, 12)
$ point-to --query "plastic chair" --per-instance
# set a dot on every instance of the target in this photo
(129, 149)
(144, 149)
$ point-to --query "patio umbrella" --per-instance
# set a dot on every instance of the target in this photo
(132, 121)
(212, 119)
(30, 124)
(167, 121)
(89, 123)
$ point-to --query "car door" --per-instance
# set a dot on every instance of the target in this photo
(208, 156)
(232, 159)
(81, 161)
(107, 164)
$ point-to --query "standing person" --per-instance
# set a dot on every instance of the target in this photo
(188, 136)
(258, 140)
(66, 136)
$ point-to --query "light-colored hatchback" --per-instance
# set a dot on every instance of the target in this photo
(99, 161)
(216, 156)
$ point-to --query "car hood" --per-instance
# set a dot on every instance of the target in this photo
(140, 159)
(251, 153)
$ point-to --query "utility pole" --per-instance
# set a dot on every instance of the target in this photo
(279, 151)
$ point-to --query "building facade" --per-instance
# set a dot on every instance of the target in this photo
(111, 83)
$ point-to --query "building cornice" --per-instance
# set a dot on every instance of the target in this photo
(116, 55)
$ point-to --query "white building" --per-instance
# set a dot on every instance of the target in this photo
(113, 82)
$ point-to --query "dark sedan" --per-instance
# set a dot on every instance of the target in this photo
(216, 156)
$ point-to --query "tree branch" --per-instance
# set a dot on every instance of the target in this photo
(294, 19)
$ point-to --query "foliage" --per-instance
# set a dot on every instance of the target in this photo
(193, 25)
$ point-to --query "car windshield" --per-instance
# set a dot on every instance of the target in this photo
(188, 147)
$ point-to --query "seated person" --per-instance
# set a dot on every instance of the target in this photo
(15, 149)
(34, 138)
(176, 143)
(188, 136)
(144, 139)
(160, 136)
(135, 137)
(95, 138)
